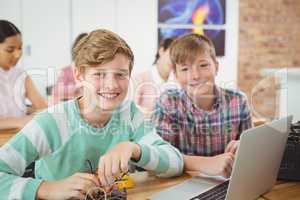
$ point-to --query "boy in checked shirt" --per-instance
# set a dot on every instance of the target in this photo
(201, 119)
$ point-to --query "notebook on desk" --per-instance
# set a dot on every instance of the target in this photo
(254, 171)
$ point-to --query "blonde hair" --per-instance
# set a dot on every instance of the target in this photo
(99, 47)
(187, 47)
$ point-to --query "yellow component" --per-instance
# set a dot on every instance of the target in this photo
(126, 182)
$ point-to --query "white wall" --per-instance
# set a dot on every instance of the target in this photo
(11, 10)
(137, 25)
(47, 36)
(88, 15)
(136, 22)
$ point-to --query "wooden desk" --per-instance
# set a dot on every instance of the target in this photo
(147, 184)
(284, 191)
(259, 121)
(6, 134)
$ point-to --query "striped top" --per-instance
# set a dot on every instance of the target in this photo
(60, 141)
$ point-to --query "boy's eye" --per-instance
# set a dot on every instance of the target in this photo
(100, 74)
(117, 75)
(121, 75)
(184, 69)
(9, 50)
(203, 65)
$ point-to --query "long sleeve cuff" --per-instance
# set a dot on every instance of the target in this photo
(145, 156)
(165, 160)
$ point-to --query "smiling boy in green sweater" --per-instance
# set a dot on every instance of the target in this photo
(100, 126)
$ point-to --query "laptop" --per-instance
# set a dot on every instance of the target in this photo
(254, 170)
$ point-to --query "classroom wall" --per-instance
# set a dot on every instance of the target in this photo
(269, 37)
(49, 27)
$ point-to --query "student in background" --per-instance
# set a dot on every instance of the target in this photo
(203, 120)
(65, 87)
(151, 83)
(15, 84)
(98, 126)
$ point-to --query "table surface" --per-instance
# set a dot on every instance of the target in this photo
(6, 134)
(147, 184)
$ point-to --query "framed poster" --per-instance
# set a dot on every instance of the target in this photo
(179, 17)
(191, 12)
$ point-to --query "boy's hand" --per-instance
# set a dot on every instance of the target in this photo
(232, 146)
(221, 165)
(73, 187)
(115, 161)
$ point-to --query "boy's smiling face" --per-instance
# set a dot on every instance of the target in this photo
(197, 78)
(106, 85)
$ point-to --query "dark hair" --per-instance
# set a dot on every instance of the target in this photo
(7, 29)
(165, 44)
(77, 39)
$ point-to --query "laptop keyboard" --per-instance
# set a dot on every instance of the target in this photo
(216, 193)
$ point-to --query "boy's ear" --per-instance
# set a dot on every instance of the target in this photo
(77, 75)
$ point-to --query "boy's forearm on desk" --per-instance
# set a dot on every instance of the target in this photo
(195, 163)
(169, 159)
